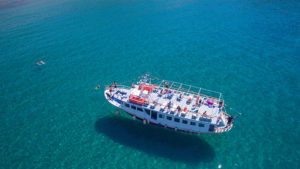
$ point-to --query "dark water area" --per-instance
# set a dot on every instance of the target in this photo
(156, 141)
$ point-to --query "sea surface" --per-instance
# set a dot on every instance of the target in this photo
(51, 116)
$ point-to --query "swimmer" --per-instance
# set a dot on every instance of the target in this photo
(98, 87)
(38, 63)
(42, 62)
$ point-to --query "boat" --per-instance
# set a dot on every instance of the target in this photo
(172, 105)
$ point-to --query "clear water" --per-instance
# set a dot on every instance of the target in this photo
(51, 117)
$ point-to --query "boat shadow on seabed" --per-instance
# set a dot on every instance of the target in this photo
(173, 145)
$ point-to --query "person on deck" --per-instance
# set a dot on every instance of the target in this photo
(161, 91)
(169, 105)
(115, 84)
(110, 88)
(167, 85)
(197, 100)
(178, 108)
(229, 119)
(205, 114)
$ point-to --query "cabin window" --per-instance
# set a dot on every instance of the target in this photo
(201, 125)
(211, 127)
(169, 117)
(205, 119)
(147, 111)
(184, 121)
(126, 105)
(177, 120)
(161, 116)
(154, 115)
(193, 123)
(133, 107)
(139, 109)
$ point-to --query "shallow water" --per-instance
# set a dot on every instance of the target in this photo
(52, 118)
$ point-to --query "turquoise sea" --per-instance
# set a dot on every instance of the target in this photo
(50, 116)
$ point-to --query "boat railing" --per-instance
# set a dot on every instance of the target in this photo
(180, 87)
(190, 87)
(173, 88)
(194, 90)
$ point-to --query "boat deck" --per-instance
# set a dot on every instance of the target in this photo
(168, 102)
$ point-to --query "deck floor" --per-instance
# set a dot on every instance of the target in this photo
(193, 112)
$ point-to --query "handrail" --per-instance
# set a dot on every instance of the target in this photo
(190, 92)
(196, 87)
(200, 94)
(190, 86)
